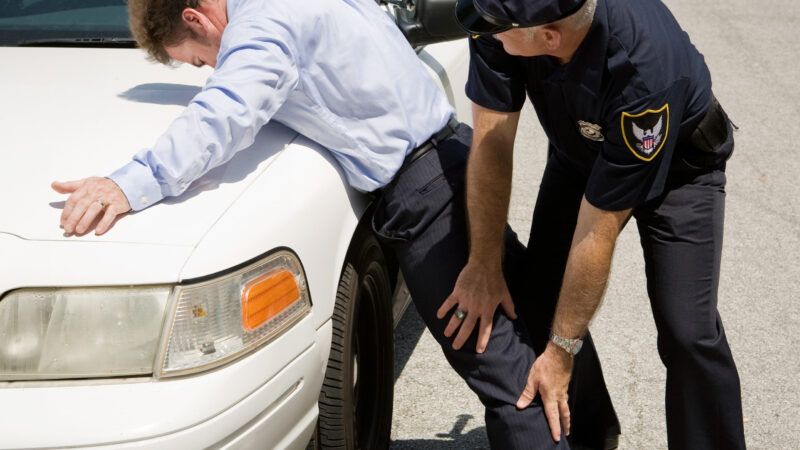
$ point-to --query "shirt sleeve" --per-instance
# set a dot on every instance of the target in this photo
(496, 79)
(255, 73)
(639, 144)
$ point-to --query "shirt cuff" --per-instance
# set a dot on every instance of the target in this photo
(138, 184)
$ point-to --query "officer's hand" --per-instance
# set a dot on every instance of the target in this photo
(477, 293)
(91, 199)
(549, 376)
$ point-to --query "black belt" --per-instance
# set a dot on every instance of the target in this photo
(430, 144)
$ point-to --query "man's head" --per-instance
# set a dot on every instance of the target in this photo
(530, 27)
(188, 31)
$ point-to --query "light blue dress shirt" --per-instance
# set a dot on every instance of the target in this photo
(336, 71)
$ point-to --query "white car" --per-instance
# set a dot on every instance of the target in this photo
(233, 316)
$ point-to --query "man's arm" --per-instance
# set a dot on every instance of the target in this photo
(480, 286)
(255, 74)
(93, 201)
(582, 290)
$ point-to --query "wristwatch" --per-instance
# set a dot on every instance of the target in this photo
(571, 346)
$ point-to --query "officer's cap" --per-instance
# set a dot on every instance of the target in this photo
(495, 16)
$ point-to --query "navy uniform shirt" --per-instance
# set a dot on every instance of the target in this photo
(635, 87)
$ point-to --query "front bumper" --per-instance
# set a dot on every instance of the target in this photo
(268, 399)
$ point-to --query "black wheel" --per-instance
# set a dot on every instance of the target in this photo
(355, 404)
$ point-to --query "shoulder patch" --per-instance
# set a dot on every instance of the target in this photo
(645, 133)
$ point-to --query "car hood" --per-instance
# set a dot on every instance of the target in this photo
(71, 113)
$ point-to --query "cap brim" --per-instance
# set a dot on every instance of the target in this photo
(473, 21)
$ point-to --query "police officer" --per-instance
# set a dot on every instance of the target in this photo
(384, 120)
(634, 130)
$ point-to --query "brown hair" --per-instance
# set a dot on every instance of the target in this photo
(156, 24)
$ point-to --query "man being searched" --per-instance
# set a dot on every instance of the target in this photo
(634, 130)
(341, 73)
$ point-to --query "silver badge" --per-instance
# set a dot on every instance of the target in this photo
(591, 131)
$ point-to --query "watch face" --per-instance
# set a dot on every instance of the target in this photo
(578, 346)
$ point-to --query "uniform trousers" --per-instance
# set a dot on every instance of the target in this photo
(421, 216)
(681, 236)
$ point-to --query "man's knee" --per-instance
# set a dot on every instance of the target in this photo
(497, 375)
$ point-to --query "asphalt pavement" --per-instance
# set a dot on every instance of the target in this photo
(753, 51)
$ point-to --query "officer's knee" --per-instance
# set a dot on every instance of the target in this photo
(690, 342)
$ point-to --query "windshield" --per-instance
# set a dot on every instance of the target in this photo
(62, 21)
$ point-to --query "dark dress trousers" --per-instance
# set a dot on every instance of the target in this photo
(421, 215)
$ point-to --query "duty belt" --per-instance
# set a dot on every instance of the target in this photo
(712, 130)
(709, 144)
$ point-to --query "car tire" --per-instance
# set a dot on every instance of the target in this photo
(355, 404)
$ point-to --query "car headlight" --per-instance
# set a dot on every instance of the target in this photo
(110, 332)
(80, 333)
(219, 320)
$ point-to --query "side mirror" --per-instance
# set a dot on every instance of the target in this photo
(426, 22)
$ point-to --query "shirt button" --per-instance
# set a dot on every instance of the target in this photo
(143, 200)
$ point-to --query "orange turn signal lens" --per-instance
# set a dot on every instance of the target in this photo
(267, 296)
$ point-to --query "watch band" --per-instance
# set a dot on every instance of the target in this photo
(571, 346)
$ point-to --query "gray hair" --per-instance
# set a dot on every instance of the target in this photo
(581, 19)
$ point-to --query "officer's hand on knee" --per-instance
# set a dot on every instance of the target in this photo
(475, 297)
(549, 377)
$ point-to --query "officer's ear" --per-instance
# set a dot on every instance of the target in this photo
(550, 38)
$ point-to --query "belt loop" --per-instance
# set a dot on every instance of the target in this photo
(432, 142)
(445, 132)
(453, 123)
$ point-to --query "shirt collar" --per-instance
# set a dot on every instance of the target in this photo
(588, 63)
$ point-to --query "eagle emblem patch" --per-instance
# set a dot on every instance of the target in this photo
(646, 133)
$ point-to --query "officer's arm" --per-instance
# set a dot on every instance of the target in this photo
(584, 282)
(489, 183)
(480, 287)
(587, 268)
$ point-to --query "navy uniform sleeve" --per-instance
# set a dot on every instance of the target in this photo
(639, 144)
(496, 79)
